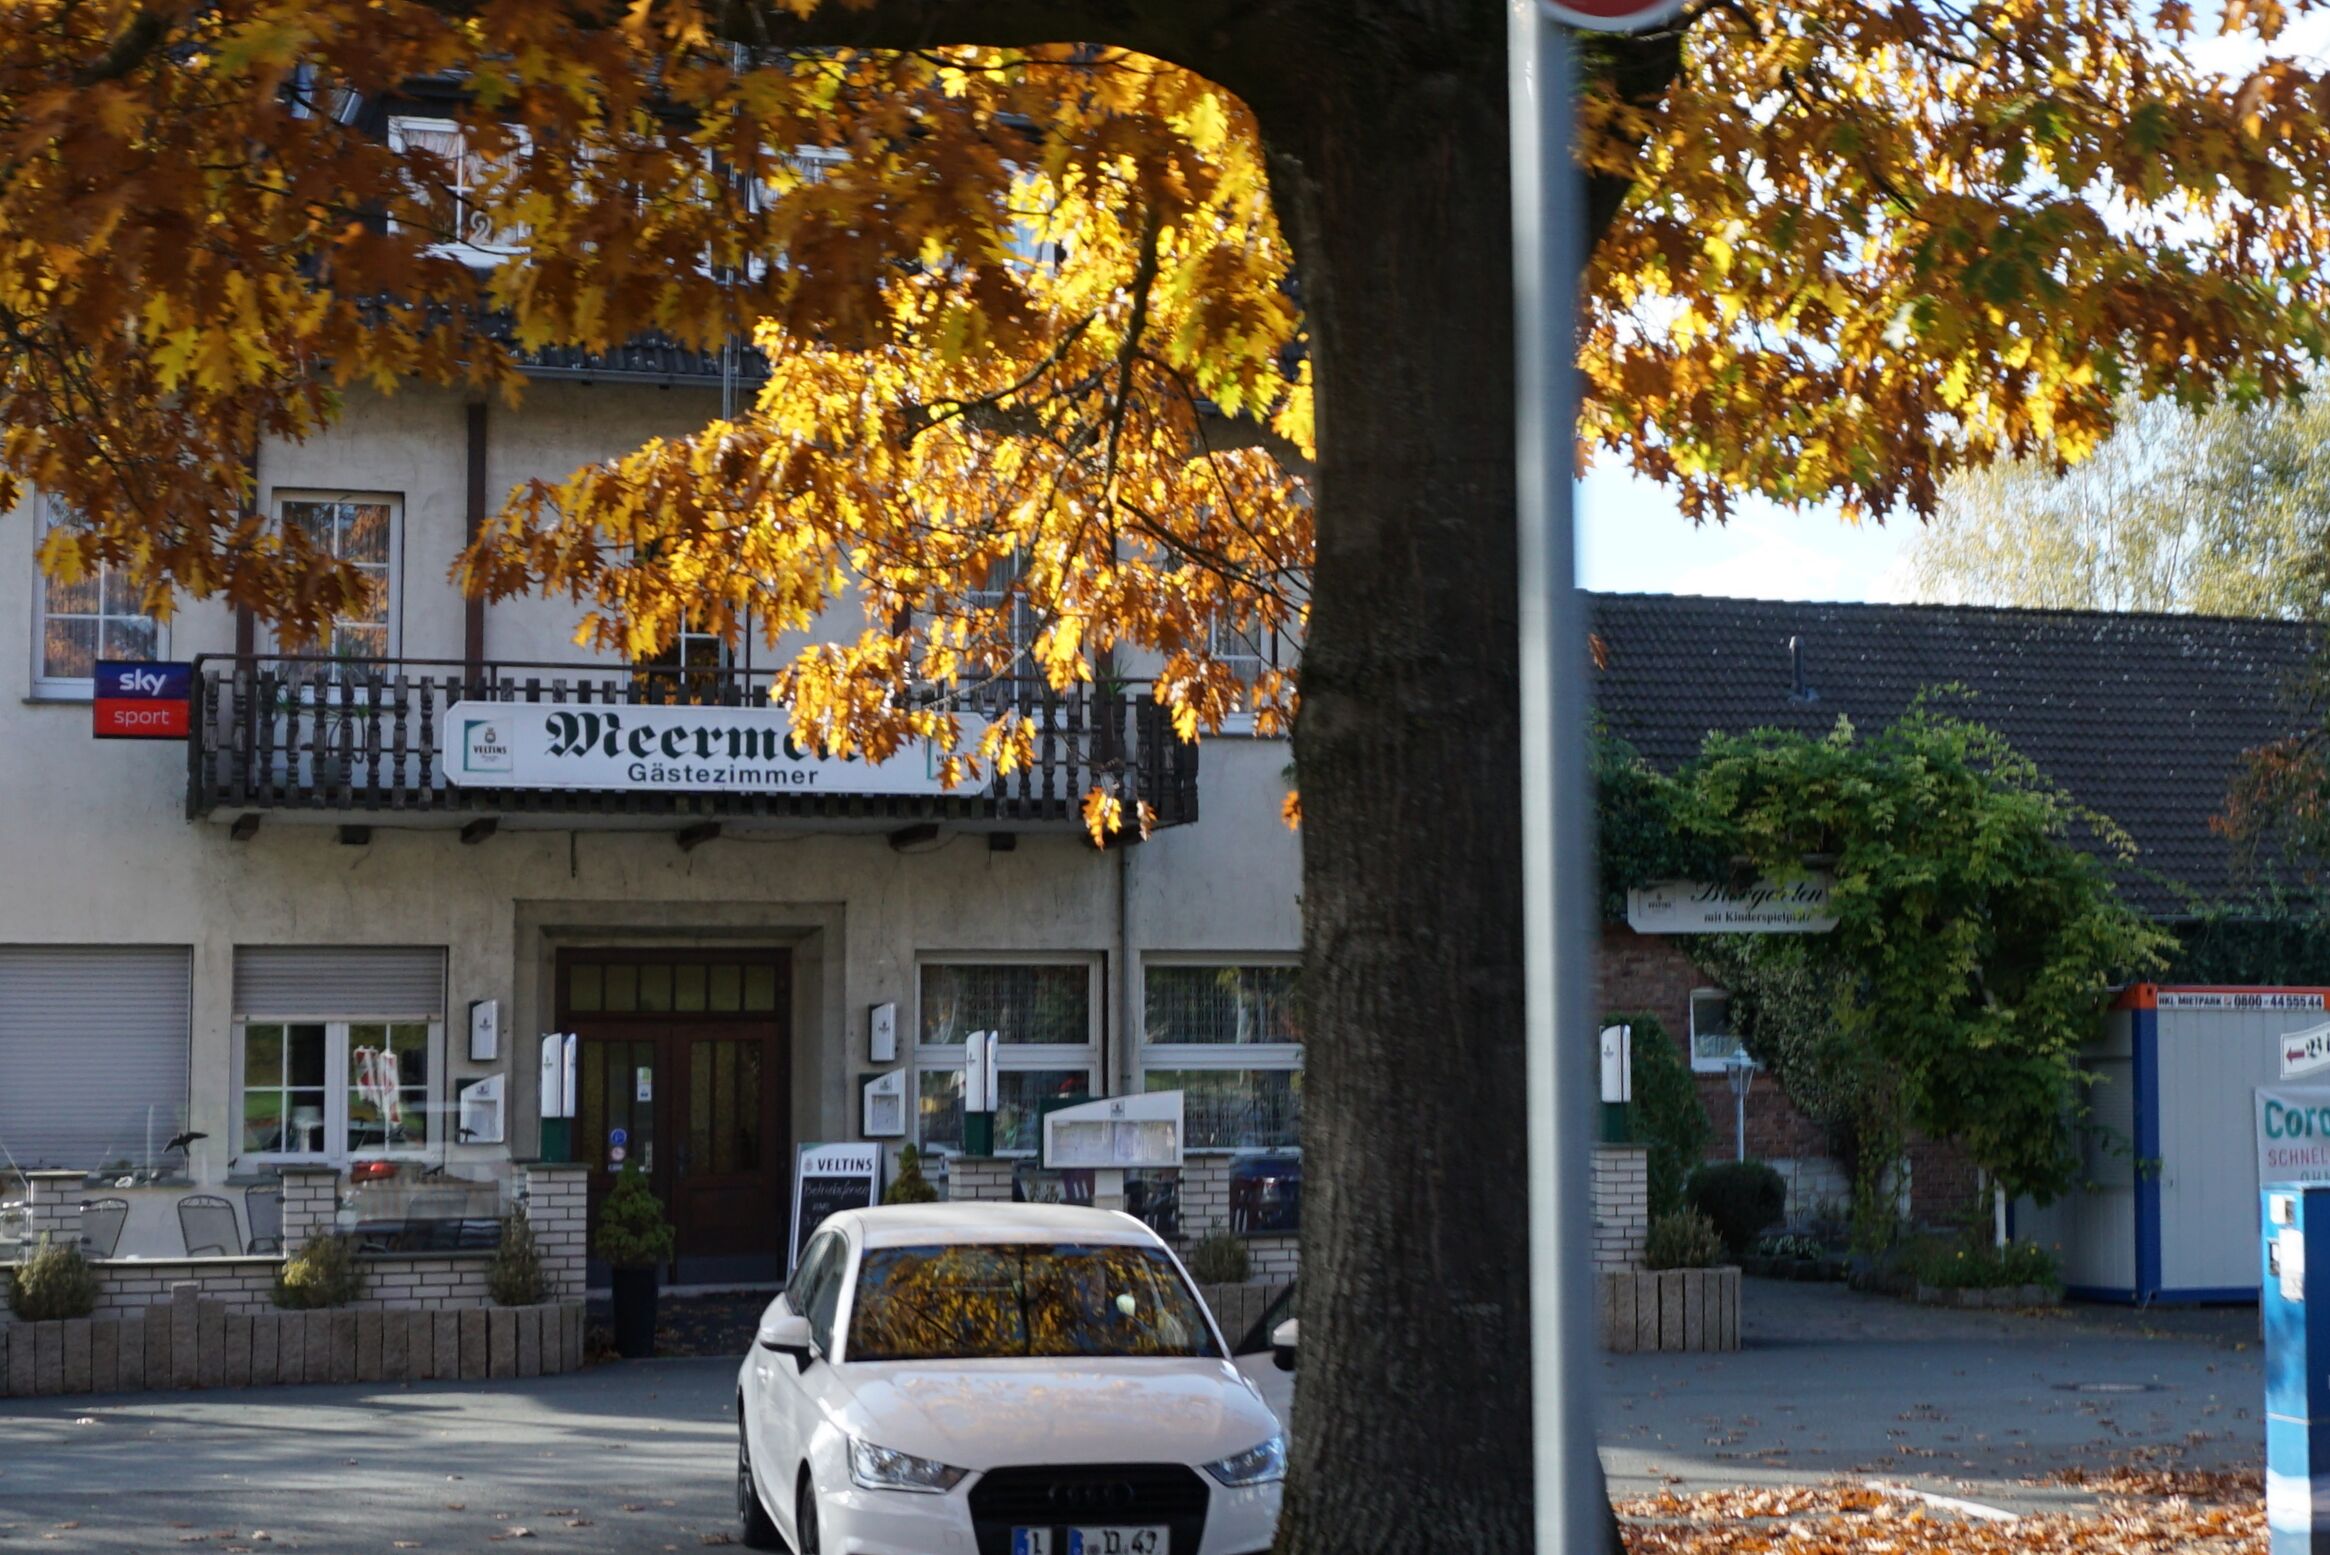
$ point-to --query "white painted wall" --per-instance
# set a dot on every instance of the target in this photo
(95, 848)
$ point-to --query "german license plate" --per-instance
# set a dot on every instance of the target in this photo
(1091, 1541)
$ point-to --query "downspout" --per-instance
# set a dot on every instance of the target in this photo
(1120, 1081)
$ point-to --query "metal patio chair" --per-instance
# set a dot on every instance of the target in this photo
(101, 1222)
(263, 1208)
(433, 1221)
(207, 1222)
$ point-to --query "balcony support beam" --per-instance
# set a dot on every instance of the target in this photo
(693, 837)
(478, 830)
(246, 826)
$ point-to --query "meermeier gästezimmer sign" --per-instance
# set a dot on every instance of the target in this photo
(747, 750)
(1798, 906)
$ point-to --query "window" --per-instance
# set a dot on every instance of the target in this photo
(1229, 1037)
(96, 616)
(1247, 652)
(1712, 1040)
(363, 532)
(1006, 1301)
(449, 186)
(1002, 591)
(337, 1089)
(1043, 1014)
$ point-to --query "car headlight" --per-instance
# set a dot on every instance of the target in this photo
(886, 1468)
(1257, 1465)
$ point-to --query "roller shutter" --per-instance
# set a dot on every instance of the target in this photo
(340, 980)
(93, 1053)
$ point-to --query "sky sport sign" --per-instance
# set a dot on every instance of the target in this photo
(141, 701)
(738, 750)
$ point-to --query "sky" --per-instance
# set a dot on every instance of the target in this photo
(1632, 540)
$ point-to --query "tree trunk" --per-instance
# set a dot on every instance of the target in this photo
(1412, 1428)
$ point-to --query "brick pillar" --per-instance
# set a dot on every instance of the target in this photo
(980, 1177)
(311, 1204)
(53, 1206)
(557, 1211)
(1621, 1205)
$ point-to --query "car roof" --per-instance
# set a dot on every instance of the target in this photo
(906, 1225)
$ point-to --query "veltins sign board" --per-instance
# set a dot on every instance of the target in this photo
(141, 701)
(1766, 907)
(2293, 1133)
(826, 1180)
(744, 750)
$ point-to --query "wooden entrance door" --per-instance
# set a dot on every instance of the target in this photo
(683, 1058)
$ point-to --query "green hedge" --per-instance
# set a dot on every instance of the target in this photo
(1667, 1114)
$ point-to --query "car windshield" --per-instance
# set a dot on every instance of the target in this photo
(989, 1301)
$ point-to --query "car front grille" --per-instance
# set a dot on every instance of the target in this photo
(1089, 1495)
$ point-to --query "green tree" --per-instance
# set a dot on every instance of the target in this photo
(1978, 933)
(2223, 512)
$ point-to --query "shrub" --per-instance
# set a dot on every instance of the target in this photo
(324, 1273)
(1667, 1114)
(517, 1278)
(633, 1233)
(910, 1186)
(56, 1281)
(1684, 1239)
(1979, 1266)
(1220, 1259)
(1791, 1247)
(1741, 1198)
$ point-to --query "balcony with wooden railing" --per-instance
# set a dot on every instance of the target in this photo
(368, 741)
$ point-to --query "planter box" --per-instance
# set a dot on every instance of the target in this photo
(2000, 1297)
(1668, 1309)
(188, 1342)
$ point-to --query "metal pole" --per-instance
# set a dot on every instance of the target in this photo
(1547, 242)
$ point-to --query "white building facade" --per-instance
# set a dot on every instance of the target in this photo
(272, 935)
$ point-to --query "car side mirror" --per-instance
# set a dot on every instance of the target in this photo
(1282, 1344)
(787, 1332)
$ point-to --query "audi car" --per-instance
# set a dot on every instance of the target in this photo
(999, 1379)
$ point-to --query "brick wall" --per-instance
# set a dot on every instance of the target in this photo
(53, 1207)
(1621, 1205)
(557, 1204)
(311, 1204)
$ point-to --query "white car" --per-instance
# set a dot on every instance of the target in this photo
(999, 1379)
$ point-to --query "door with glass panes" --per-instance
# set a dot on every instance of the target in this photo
(683, 1058)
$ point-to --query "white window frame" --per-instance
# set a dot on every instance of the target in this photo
(1213, 1055)
(940, 1057)
(69, 688)
(336, 1083)
(508, 242)
(1701, 1065)
(394, 501)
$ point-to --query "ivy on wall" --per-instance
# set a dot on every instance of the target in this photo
(1976, 938)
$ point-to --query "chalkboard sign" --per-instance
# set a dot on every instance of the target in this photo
(826, 1180)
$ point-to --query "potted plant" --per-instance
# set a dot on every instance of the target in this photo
(635, 1241)
(910, 1186)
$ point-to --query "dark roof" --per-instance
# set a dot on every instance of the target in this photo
(2142, 717)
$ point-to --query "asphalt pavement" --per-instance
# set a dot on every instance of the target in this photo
(633, 1457)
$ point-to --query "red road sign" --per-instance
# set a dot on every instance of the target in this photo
(1611, 15)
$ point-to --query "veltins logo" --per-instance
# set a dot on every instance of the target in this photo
(483, 747)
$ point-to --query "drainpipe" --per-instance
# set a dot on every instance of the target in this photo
(1121, 1081)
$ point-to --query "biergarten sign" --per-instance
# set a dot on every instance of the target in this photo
(1767, 906)
(744, 750)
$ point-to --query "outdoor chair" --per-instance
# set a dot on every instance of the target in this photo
(433, 1221)
(263, 1208)
(101, 1222)
(208, 1224)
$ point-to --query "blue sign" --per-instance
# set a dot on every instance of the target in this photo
(2296, 1232)
(618, 1137)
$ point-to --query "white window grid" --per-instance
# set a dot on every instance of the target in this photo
(946, 1057)
(474, 240)
(378, 633)
(1163, 1057)
(337, 1081)
(106, 614)
(1713, 1042)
